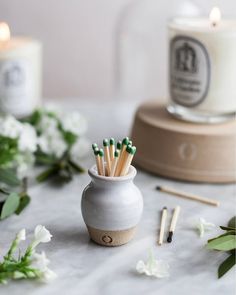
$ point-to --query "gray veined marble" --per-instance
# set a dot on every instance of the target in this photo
(88, 269)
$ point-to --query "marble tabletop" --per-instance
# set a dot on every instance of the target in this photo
(85, 268)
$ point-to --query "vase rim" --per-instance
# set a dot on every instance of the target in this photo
(131, 174)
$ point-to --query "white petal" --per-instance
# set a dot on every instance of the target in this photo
(21, 235)
(41, 235)
(48, 275)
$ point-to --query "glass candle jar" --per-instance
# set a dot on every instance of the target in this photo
(202, 69)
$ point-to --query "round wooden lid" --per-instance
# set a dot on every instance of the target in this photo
(186, 151)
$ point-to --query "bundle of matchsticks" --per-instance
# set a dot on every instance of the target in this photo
(114, 159)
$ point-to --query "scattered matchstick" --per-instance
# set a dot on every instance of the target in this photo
(173, 224)
(101, 157)
(114, 163)
(112, 148)
(163, 222)
(107, 156)
(188, 196)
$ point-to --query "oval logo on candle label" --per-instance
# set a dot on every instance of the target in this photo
(189, 71)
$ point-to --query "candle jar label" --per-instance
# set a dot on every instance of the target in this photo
(15, 85)
(189, 71)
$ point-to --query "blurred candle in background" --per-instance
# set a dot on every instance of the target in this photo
(20, 73)
(202, 68)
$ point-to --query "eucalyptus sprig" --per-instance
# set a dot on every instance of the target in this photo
(227, 243)
(30, 265)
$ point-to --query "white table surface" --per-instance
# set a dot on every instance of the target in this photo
(85, 268)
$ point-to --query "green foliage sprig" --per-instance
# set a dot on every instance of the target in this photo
(227, 243)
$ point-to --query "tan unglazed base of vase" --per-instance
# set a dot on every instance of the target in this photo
(111, 238)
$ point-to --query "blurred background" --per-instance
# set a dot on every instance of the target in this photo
(101, 49)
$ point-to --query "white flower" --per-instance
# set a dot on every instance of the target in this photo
(52, 144)
(10, 127)
(204, 226)
(27, 138)
(80, 149)
(48, 125)
(41, 235)
(74, 122)
(21, 235)
(40, 262)
(48, 275)
(153, 267)
(23, 163)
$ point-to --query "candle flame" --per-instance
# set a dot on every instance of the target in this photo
(5, 34)
(215, 16)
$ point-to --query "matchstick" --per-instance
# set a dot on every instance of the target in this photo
(188, 196)
(101, 156)
(131, 150)
(112, 148)
(114, 163)
(107, 156)
(173, 224)
(119, 166)
(119, 145)
(98, 162)
(163, 222)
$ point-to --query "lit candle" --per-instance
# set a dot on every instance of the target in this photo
(203, 68)
(20, 73)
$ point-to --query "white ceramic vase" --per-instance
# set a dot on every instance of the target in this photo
(111, 208)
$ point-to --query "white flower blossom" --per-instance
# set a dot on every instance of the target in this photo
(80, 149)
(21, 235)
(41, 262)
(48, 275)
(203, 226)
(48, 125)
(74, 122)
(10, 127)
(153, 267)
(23, 163)
(41, 235)
(27, 138)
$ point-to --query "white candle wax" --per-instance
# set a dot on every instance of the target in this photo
(20, 74)
(203, 64)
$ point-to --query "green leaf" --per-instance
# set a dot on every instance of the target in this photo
(228, 228)
(24, 202)
(223, 243)
(52, 171)
(8, 176)
(69, 137)
(223, 235)
(232, 222)
(76, 167)
(10, 205)
(44, 159)
(226, 265)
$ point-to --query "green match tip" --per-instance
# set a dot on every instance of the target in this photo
(125, 141)
(119, 144)
(101, 153)
(96, 151)
(94, 145)
(130, 142)
(112, 141)
(128, 148)
(133, 150)
(116, 154)
(105, 142)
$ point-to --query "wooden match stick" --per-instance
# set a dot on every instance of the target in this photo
(114, 163)
(119, 166)
(173, 224)
(131, 150)
(188, 196)
(107, 156)
(98, 162)
(112, 149)
(101, 156)
(163, 222)
(119, 145)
